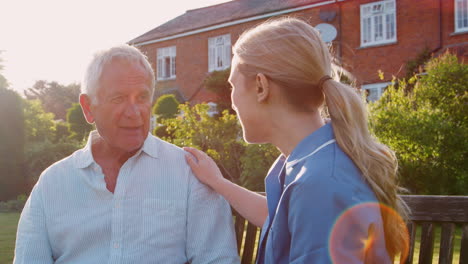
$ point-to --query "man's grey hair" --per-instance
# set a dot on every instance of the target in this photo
(90, 83)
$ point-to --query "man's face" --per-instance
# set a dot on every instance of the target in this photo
(122, 114)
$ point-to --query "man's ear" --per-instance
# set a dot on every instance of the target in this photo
(86, 106)
(263, 87)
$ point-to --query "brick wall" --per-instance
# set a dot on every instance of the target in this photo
(417, 25)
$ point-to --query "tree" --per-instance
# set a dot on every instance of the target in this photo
(427, 126)
(166, 106)
(12, 142)
(55, 98)
(79, 128)
(217, 82)
(39, 125)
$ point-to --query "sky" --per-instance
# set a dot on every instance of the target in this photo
(53, 40)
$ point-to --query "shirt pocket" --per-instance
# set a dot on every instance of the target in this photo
(163, 222)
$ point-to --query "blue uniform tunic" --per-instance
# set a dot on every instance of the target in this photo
(321, 210)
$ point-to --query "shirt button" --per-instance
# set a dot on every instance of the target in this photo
(116, 245)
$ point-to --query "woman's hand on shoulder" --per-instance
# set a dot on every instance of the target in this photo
(204, 167)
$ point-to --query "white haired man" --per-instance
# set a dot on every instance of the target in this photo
(127, 196)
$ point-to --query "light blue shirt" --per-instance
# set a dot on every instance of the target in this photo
(321, 210)
(159, 213)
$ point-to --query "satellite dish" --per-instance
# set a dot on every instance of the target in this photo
(327, 31)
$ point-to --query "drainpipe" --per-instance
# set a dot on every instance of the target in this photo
(440, 29)
(340, 44)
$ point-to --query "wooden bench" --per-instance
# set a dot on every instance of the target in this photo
(428, 214)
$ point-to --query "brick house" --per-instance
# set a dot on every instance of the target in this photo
(366, 36)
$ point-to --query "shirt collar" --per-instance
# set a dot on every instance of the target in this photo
(84, 157)
(310, 143)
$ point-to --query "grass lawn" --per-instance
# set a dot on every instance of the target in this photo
(8, 223)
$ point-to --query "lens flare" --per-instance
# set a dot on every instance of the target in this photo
(358, 235)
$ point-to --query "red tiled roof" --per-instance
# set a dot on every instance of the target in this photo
(217, 14)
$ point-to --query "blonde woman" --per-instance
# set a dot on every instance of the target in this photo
(331, 197)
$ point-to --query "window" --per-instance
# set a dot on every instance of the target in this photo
(219, 53)
(374, 91)
(378, 23)
(213, 110)
(167, 63)
(461, 15)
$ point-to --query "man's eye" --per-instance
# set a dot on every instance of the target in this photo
(117, 100)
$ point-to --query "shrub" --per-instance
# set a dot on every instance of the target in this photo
(221, 138)
(428, 127)
(166, 106)
(43, 154)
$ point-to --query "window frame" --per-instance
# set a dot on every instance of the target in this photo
(380, 86)
(163, 54)
(458, 29)
(370, 30)
(214, 50)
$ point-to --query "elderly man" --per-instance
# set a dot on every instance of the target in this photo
(126, 197)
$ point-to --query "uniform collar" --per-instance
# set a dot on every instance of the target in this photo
(84, 157)
(311, 143)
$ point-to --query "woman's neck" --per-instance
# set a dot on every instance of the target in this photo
(291, 128)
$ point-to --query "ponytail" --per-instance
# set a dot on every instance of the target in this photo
(376, 161)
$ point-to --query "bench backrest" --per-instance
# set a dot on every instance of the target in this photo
(429, 213)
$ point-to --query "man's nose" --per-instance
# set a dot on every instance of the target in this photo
(132, 110)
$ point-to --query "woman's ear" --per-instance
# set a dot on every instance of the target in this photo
(263, 87)
(86, 106)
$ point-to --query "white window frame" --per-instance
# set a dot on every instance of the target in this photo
(377, 87)
(372, 15)
(219, 53)
(213, 110)
(461, 13)
(165, 56)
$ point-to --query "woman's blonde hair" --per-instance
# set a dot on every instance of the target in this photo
(292, 54)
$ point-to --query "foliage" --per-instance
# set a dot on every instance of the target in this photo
(428, 127)
(54, 97)
(78, 127)
(220, 137)
(413, 66)
(14, 205)
(61, 131)
(12, 143)
(217, 82)
(39, 125)
(255, 163)
(166, 107)
(41, 155)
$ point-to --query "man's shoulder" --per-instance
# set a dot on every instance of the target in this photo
(165, 149)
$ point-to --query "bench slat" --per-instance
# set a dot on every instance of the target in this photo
(412, 234)
(464, 245)
(239, 226)
(437, 208)
(446, 243)
(426, 249)
(249, 244)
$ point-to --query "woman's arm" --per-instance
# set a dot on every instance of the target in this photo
(252, 206)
